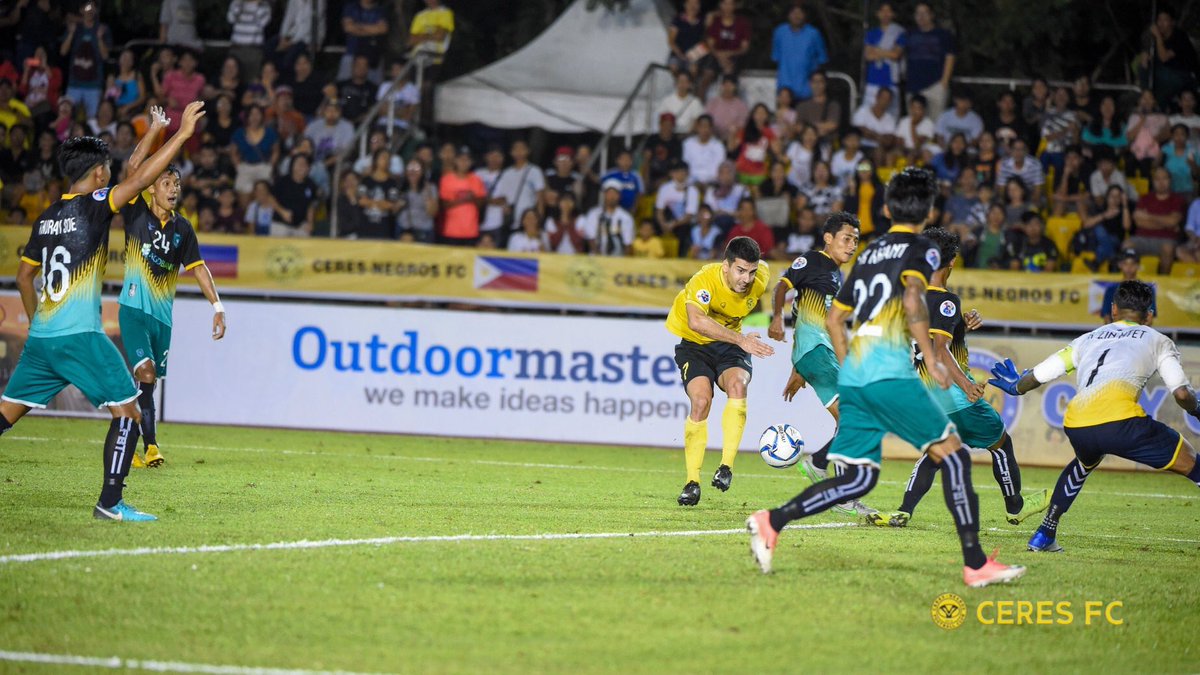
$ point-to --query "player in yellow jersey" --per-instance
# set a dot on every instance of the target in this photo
(1104, 417)
(707, 316)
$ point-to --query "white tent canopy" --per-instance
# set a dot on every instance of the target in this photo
(573, 77)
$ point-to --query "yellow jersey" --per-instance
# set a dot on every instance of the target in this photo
(708, 290)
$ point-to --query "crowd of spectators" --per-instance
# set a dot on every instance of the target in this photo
(719, 165)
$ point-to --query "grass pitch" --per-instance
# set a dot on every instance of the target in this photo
(849, 598)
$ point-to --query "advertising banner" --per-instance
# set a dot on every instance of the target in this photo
(376, 270)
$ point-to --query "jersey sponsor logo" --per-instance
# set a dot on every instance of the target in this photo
(800, 263)
(934, 258)
(703, 296)
(948, 309)
(100, 195)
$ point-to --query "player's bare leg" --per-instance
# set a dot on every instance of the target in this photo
(147, 379)
(695, 437)
(11, 413)
(734, 383)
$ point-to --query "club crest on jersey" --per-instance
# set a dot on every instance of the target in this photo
(100, 195)
(934, 258)
(948, 309)
(800, 263)
(703, 296)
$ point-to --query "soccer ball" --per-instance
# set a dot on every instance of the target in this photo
(781, 446)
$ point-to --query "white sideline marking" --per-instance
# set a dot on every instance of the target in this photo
(380, 541)
(576, 467)
(1132, 537)
(118, 663)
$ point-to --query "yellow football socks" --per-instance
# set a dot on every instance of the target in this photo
(733, 423)
(695, 441)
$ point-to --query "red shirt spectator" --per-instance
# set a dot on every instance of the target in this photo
(749, 225)
(1160, 211)
(461, 192)
(728, 35)
(180, 87)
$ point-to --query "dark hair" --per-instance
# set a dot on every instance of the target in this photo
(1114, 125)
(910, 195)
(1174, 127)
(172, 168)
(1021, 183)
(746, 200)
(704, 118)
(956, 162)
(835, 221)
(1030, 216)
(79, 155)
(751, 133)
(1135, 296)
(947, 243)
(918, 98)
(743, 248)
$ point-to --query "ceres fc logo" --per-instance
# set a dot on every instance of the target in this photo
(949, 611)
(284, 263)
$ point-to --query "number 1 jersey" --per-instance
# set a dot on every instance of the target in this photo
(874, 294)
(69, 245)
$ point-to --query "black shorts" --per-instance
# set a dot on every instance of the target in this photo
(1140, 439)
(709, 360)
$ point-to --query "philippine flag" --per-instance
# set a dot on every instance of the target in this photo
(506, 274)
(222, 261)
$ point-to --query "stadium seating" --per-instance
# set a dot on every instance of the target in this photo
(1186, 270)
(1061, 229)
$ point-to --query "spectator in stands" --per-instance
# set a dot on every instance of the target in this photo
(1082, 103)
(445, 159)
(520, 185)
(429, 40)
(801, 153)
(166, 61)
(631, 183)
(306, 88)
(1179, 157)
(1107, 175)
(86, 47)
(46, 159)
(357, 93)
(1103, 228)
(419, 206)
(105, 120)
(1033, 252)
(727, 110)
(845, 161)
(41, 85)
(784, 117)
(126, 87)
(703, 153)
(177, 24)
(798, 49)
(821, 111)
(661, 151)
(1071, 190)
(380, 199)
(647, 244)
(260, 212)
(915, 129)
(210, 176)
(877, 125)
(683, 107)
(1105, 129)
(562, 177)
(180, 87)
(400, 96)
(255, 152)
(365, 24)
(1060, 128)
(1007, 122)
(1158, 221)
(12, 110)
(960, 119)
(220, 124)
(965, 210)
(864, 198)
(349, 213)
(776, 185)
(1129, 264)
(228, 81)
(930, 52)
(16, 159)
(955, 160)
(461, 193)
(728, 38)
(685, 38)
(1189, 250)
(589, 180)
(294, 201)
(608, 227)
(1173, 58)
(1017, 200)
(261, 90)
(884, 47)
(725, 195)
(754, 146)
(530, 238)
(38, 24)
(489, 175)
(331, 134)
(1148, 129)
(798, 239)
(564, 229)
(748, 225)
(375, 141)
(1186, 116)
(1019, 163)
(824, 195)
(296, 36)
(229, 219)
(248, 20)
(317, 171)
(705, 236)
(1035, 104)
(676, 204)
(123, 143)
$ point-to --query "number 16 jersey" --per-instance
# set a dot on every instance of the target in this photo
(69, 245)
(874, 295)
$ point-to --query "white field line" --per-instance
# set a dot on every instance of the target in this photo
(381, 541)
(118, 663)
(576, 467)
(1131, 537)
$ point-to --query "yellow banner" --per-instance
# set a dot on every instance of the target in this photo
(394, 271)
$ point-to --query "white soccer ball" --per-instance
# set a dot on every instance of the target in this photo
(781, 446)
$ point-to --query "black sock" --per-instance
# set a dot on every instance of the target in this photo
(820, 458)
(1070, 482)
(918, 483)
(1008, 475)
(146, 401)
(852, 483)
(963, 504)
(1193, 475)
(5, 425)
(118, 454)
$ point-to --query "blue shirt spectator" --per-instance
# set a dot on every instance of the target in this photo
(885, 72)
(629, 183)
(360, 15)
(930, 60)
(799, 49)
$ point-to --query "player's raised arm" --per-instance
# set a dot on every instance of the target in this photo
(702, 323)
(775, 330)
(917, 312)
(158, 122)
(146, 173)
(1007, 377)
(1171, 371)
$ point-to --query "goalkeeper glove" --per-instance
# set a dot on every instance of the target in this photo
(1005, 377)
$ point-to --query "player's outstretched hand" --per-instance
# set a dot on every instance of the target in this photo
(753, 344)
(794, 384)
(1005, 377)
(191, 115)
(218, 329)
(775, 330)
(158, 118)
(973, 319)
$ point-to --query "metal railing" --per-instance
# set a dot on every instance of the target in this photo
(1013, 82)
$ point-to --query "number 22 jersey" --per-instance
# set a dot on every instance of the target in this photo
(69, 245)
(874, 295)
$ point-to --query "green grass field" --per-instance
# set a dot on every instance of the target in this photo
(848, 598)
